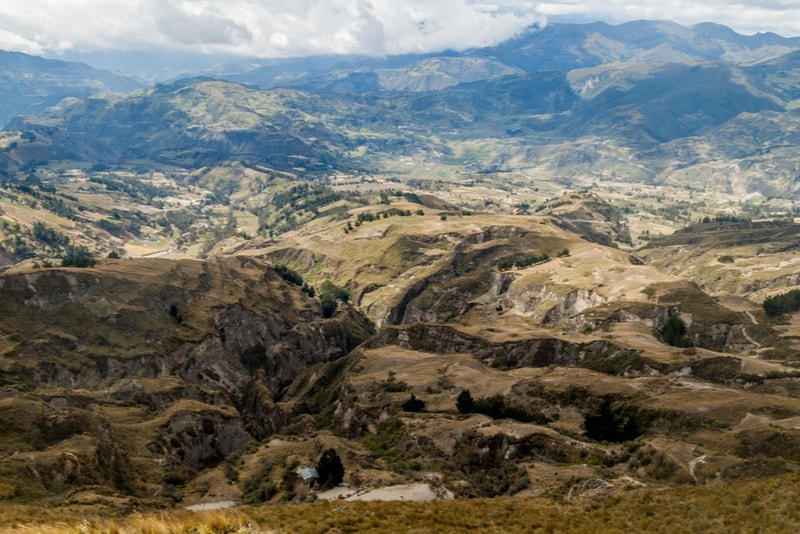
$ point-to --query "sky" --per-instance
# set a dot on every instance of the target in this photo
(287, 28)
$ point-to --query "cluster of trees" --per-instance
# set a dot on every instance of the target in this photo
(520, 261)
(49, 236)
(293, 277)
(58, 206)
(329, 296)
(71, 255)
(613, 422)
(118, 227)
(496, 407)
(783, 303)
(368, 216)
(77, 256)
(413, 404)
(724, 218)
(305, 196)
(132, 187)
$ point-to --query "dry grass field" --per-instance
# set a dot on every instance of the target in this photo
(764, 506)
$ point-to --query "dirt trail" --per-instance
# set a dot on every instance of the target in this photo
(693, 463)
(400, 492)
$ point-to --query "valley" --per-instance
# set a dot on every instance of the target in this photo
(527, 289)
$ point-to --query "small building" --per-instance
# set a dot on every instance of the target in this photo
(309, 475)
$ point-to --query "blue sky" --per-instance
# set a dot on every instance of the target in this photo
(281, 28)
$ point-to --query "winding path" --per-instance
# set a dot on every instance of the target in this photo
(744, 330)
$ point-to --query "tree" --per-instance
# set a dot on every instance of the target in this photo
(610, 422)
(465, 403)
(328, 304)
(330, 469)
(77, 256)
(414, 404)
(674, 332)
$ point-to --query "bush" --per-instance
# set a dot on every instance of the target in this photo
(49, 236)
(414, 404)
(521, 261)
(331, 289)
(329, 295)
(329, 306)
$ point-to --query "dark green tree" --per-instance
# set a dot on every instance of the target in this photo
(610, 422)
(328, 304)
(330, 469)
(77, 256)
(414, 404)
(465, 403)
(674, 332)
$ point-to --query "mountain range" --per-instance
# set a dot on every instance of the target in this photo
(650, 95)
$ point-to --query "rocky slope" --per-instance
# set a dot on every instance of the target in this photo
(578, 385)
(151, 368)
(509, 356)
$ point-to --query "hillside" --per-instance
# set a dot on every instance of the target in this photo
(131, 375)
(31, 84)
(193, 372)
(464, 276)
(649, 123)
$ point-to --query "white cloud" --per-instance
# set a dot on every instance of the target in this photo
(261, 27)
(301, 27)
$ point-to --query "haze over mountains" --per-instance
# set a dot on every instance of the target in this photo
(535, 269)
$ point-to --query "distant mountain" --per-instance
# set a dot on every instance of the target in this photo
(673, 101)
(622, 107)
(202, 121)
(31, 84)
(573, 46)
(197, 122)
(560, 47)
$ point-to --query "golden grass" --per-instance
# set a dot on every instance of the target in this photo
(768, 505)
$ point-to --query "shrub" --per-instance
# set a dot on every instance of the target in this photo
(414, 404)
(329, 305)
(523, 260)
(331, 289)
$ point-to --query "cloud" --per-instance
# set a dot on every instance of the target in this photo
(269, 28)
(262, 27)
(181, 24)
